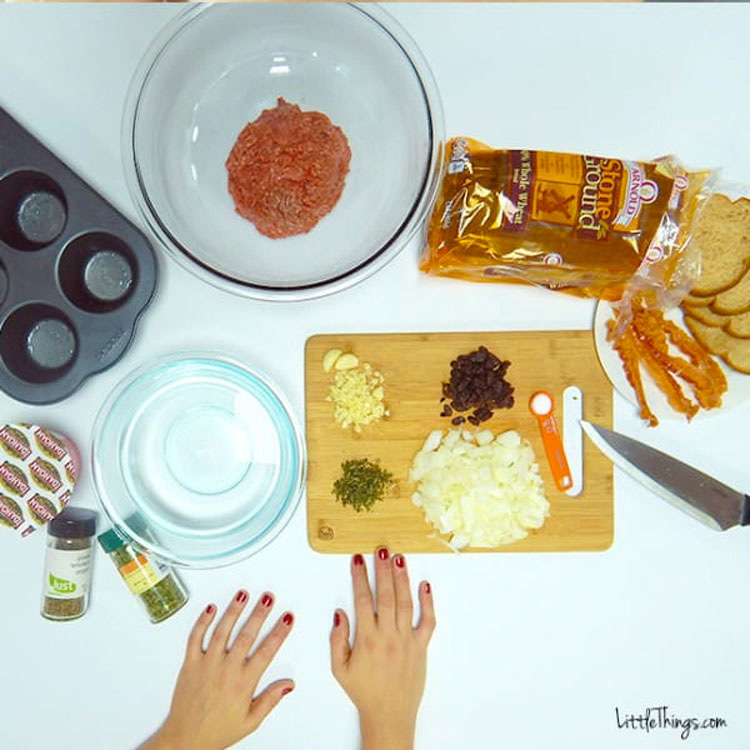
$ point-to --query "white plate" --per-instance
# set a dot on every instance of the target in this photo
(739, 384)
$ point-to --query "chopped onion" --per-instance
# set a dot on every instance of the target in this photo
(483, 490)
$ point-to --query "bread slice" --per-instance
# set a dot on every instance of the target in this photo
(706, 315)
(734, 300)
(692, 301)
(735, 352)
(739, 326)
(722, 234)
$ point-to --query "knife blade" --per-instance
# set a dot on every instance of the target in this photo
(692, 491)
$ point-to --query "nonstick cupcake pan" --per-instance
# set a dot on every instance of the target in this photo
(74, 273)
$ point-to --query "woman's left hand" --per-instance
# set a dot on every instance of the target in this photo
(214, 704)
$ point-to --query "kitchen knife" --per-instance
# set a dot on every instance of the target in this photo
(694, 492)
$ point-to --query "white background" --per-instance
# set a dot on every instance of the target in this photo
(531, 651)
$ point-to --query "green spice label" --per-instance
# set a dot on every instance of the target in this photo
(61, 586)
(67, 573)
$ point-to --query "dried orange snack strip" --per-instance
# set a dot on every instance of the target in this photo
(625, 347)
(664, 379)
(699, 357)
(649, 326)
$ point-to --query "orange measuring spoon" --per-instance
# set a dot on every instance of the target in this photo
(542, 406)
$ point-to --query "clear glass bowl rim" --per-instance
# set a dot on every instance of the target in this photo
(414, 219)
(146, 545)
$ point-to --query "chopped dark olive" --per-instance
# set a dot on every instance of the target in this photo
(477, 383)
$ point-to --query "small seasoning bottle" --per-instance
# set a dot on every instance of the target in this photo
(160, 590)
(67, 565)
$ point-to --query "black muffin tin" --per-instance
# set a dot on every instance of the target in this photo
(74, 273)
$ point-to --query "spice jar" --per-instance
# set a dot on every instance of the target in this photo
(160, 590)
(67, 565)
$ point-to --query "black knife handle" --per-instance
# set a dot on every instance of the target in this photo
(746, 512)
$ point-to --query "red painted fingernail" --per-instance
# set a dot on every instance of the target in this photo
(358, 559)
(427, 588)
(336, 619)
(241, 597)
(210, 609)
(288, 618)
(399, 560)
(286, 691)
(383, 553)
(267, 600)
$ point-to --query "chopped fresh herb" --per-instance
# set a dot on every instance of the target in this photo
(361, 484)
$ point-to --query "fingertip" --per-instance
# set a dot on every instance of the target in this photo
(198, 633)
(427, 620)
(263, 704)
(363, 598)
(340, 649)
(267, 599)
(340, 623)
(426, 600)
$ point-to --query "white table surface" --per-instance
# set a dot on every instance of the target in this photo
(531, 651)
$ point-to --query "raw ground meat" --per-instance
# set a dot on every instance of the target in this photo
(287, 169)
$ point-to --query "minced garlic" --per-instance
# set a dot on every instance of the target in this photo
(357, 397)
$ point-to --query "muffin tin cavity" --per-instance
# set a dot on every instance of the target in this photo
(75, 275)
(38, 343)
(97, 272)
(32, 210)
(3, 283)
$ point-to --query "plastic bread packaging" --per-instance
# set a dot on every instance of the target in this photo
(587, 225)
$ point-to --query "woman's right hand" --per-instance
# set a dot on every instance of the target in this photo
(384, 672)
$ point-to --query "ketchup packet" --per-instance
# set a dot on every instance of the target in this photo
(587, 225)
(38, 471)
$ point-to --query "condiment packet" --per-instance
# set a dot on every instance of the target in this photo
(38, 471)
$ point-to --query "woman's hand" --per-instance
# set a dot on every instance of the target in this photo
(213, 705)
(384, 672)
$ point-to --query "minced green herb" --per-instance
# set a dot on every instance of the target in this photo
(361, 484)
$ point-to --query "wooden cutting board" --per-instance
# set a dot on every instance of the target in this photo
(414, 366)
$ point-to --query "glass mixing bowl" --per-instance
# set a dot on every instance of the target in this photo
(215, 68)
(198, 458)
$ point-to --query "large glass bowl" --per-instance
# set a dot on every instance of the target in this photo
(215, 68)
(198, 459)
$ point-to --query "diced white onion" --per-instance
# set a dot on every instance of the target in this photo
(483, 490)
